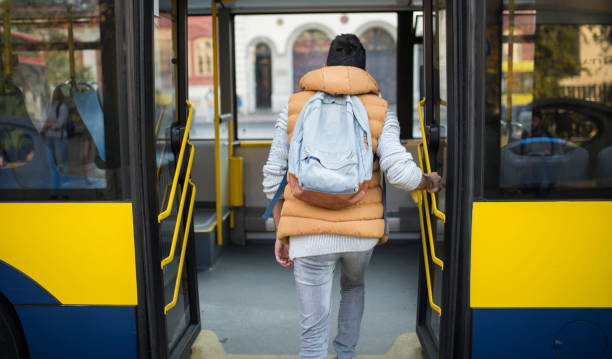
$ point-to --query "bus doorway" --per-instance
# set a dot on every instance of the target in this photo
(177, 317)
(243, 291)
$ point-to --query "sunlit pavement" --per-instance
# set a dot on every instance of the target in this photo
(207, 346)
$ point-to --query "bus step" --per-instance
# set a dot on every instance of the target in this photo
(207, 346)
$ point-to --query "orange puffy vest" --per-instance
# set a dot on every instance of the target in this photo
(364, 219)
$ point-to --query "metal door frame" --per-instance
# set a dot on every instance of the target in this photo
(153, 341)
(454, 326)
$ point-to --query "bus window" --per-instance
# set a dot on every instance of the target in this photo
(417, 72)
(273, 52)
(200, 72)
(549, 103)
(52, 119)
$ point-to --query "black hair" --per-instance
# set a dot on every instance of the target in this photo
(346, 50)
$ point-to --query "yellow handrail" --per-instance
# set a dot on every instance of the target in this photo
(71, 44)
(159, 120)
(422, 201)
(436, 212)
(255, 143)
(433, 305)
(179, 215)
(217, 122)
(435, 259)
(177, 285)
(165, 213)
(207, 230)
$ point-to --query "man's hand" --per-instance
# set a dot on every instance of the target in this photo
(281, 252)
(431, 182)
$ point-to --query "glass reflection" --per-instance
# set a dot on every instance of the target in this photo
(166, 84)
(554, 101)
(52, 123)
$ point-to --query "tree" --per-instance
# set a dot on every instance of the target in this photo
(557, 55)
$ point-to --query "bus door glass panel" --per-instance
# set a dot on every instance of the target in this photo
(418, 91)
(200, 76)
(165, 45)
(53, 119)
(549, 103)
(436, 122)
(440, 108)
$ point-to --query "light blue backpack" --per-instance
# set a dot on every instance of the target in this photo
(330, 150)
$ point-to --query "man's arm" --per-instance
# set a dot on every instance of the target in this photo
(276, 212)
(273, 172)
(281, 250)
(400, 169)
(276, 165)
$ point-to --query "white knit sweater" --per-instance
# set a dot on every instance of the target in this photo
(395, 162)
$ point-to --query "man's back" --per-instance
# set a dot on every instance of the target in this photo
(311, 238)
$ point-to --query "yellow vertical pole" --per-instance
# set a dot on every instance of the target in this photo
(509, 69)
(230, 134)
(7, 38)
(217, 139)
(71, 44)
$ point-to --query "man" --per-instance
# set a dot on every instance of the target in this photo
(313, 239)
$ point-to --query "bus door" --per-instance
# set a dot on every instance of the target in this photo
(434, 310)
(175, 189)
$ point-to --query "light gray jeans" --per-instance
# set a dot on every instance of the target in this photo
(313, 279)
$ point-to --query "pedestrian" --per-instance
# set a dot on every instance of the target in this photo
(312, 236)
(55, 129)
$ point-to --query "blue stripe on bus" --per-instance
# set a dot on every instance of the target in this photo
(542, 333)
(64, 331)
(542, 139)
(18, 288)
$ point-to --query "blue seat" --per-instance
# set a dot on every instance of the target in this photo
(604, 167)
(540, 162)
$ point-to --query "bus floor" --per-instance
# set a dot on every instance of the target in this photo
(248, 304)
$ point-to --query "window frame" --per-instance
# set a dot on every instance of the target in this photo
(115, 123)
(405, 41)
(487, 184)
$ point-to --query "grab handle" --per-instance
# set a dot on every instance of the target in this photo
(434, 205)
(177, 225)
(165, 213)
(177, 284)
(420, 197)
(425, 201)
(433, 305)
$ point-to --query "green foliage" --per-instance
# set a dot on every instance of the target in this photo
(556, 57)
(15, 144)
(57, 65)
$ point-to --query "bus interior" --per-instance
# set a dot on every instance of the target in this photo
(242, 290)
(221, 71)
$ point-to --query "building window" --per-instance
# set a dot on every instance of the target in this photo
(309, 53)
(263, 76)
(203, 57)
(381, 61)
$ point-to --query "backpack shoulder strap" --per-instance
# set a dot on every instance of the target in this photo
(384, 198)
(279, 192)
(296, 104)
